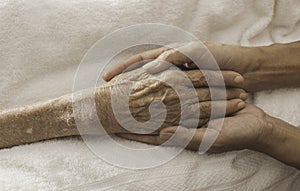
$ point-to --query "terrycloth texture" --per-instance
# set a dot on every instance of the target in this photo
(42, 43)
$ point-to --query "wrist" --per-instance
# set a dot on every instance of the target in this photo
(237, 58)
(276, 66)
(263, 67)
(105, 110)
(268, 136)
(244, 60)
(280, 140)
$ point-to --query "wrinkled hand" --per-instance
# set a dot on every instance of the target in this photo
(148, 88)
(243, 130)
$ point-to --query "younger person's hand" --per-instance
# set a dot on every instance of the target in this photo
(262, 67)
(244, 130)
(243, 60)
(250, 128)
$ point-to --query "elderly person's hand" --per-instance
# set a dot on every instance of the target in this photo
(56, 118)
(152, 88)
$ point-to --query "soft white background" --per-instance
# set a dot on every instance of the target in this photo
(42, 43)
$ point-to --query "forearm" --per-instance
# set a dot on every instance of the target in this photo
(278, 66)
(37, 122)
(263, 67)
(52, 119)
(282, 142)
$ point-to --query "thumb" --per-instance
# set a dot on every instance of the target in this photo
(165, 61)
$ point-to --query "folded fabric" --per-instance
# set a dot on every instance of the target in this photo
(41, 45)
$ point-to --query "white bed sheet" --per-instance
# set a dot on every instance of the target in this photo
(42, 42)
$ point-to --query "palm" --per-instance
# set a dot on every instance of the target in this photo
(241, 130)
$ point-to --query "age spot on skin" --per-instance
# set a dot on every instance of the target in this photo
(29, 131)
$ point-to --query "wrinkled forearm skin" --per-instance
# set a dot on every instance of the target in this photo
(38, 122)
(55, 118)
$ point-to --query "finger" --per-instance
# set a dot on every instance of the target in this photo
(213, 109)
(183, 55)
(182, 136)
(166, 60)
(203, 94)
(193, 137)
(193, 122)
(144, 56)
(201, 78)
(150, 139)
(208, 94)
(213, 133)
(249, 108)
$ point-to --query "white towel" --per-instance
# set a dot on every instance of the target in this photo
(41, 45)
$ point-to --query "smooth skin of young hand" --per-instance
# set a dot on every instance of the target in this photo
(249, 128)
(263, 68)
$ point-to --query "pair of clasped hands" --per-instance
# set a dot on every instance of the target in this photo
(244, 70)
(241, 127)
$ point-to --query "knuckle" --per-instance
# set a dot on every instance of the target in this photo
(203, 94)
(207, 94)
(202, 79)
(169, 54)
(162, 50)
(197, 77)
(140, 57)
(205, 110)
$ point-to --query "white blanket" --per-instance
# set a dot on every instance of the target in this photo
(41, 45)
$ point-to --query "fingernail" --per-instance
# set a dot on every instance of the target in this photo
(241, 105)
(151, 65)
(243, 96)
(238, 79)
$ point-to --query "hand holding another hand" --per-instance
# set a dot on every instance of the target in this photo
(246, 129)
(152, 88)
(243, 60)
(255, 69)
